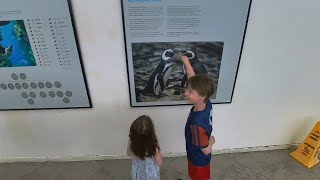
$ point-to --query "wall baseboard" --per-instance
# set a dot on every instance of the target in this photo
(241, 150)
(112, 157)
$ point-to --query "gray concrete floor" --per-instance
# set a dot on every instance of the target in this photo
(241, 166)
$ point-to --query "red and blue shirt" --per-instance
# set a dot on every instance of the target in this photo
(197, 133)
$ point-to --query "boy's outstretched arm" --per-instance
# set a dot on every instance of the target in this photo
(187, 65)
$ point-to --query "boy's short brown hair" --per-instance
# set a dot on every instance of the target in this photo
(203, 84)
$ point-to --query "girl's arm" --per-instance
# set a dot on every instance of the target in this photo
(158, 157)
(129, 153)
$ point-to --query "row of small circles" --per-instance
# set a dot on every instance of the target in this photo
(33, 85)
(14, 76)
(44, 95)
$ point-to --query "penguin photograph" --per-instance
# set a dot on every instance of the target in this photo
(15, 48)
(159, 74)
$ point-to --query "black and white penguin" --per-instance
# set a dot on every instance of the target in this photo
(159, 77)
(6, 51)
(197, 66)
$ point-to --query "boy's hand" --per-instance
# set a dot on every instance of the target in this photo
(183, 58)
(208, 149)
(188, 67)
(212, 140)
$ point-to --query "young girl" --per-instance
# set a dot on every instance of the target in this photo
(145, 150)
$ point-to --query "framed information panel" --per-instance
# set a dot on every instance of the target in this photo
(40, 61)
(209, 32)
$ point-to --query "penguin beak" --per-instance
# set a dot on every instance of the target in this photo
(183, 52)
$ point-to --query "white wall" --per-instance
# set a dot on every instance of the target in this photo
(276, 99)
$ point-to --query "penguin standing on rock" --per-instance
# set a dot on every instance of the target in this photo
(159, 77)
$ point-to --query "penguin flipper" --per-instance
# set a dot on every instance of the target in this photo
(160, 79)
(148, 89)
(158, 85)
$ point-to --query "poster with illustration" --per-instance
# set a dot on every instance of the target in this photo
(40, 59)
(210, 33)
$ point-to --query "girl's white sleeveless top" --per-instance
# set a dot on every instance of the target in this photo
(145, 169)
